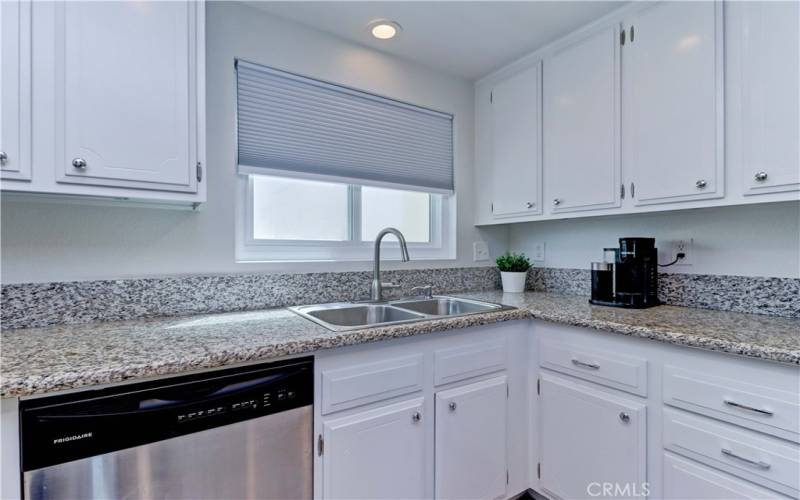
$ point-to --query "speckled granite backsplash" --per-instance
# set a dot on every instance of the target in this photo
(41, 304)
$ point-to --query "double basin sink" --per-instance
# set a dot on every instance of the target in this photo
(345, 316)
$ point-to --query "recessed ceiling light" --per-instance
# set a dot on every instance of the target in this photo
(383, 29)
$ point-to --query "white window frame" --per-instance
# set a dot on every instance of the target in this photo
(248, 249)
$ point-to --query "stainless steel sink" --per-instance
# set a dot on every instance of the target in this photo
(344, 316)
(445, 306)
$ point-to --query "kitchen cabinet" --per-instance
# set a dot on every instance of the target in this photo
(767, 34)
(673, 102)
(589, 437)
(471, 432)
(581, 124)
(119, 100)
(126, 93)
(379, 453)
(15, 90)
(516, 167)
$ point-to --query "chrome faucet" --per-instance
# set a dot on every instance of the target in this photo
(376, 294)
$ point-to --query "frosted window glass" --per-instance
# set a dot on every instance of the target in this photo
(407, 211)
(292, 209)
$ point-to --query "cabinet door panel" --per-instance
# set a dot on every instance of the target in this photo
(581, 124)
(376, 454)
(770, 35)
(589, 437)
(516, 148)
(673, 81)
(15, 88)
(471, 441)
(127, 90)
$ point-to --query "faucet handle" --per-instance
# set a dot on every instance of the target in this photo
(389, 286)
(426, 290)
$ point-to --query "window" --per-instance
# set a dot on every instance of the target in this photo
(299, 219)
(323, 168)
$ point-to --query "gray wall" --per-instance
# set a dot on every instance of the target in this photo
(754, 240)
(55, 242)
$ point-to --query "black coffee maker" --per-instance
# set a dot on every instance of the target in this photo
(628, 276)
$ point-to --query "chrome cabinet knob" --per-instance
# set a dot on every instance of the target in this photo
(624, 417)
(701, 184)
(452, 406)
(529, 204)
(556, 201)
(3, 157)
(761, 176)
(79, 163)
(416, 416)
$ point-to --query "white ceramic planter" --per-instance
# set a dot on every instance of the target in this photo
(513, 282)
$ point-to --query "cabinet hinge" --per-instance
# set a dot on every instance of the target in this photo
(622, 37)
(199, 171)
(320, 445)
(622, 191)
(538, 386)
(539, 470)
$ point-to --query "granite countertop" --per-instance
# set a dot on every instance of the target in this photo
(47, 359)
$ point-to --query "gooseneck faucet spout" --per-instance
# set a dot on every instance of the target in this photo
(376, 294)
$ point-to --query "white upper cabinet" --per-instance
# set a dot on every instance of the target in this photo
(15, 89)
(581, 124)
(126, 94)
(769, 34)
(471, 441)
(516, 167)
(672, 128)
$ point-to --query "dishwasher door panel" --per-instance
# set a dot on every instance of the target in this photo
(268, 457)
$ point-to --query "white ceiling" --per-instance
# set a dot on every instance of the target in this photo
(467, 39)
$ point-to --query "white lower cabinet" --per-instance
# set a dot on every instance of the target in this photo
(687, 480)
(471, 430)
(377, 453)
(593, 443)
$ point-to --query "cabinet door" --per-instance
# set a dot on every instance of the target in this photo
(770, 99)
(589, 437)
(15, 89)
(376, 454)
(471, 441)
(673, 101)
(516, 145)
(126, 94)
(581, 124)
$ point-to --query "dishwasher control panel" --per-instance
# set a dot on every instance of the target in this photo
(68, 427)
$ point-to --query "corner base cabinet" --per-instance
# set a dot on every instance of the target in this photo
(590, 440)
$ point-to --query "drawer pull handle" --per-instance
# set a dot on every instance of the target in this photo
(748, 408)
(757, 463)
(592, 366)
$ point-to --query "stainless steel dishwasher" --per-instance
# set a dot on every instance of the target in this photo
(229, 434)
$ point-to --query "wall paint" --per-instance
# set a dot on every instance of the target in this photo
(755, 240)
(58, 242)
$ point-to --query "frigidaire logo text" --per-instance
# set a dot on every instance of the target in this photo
(76, 437)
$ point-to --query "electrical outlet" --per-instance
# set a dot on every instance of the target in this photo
(480, 251)
(538, 252)
(686, 247)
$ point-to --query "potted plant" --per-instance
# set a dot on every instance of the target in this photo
(513, 271)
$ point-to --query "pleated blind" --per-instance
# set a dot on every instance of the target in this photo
(303, 127)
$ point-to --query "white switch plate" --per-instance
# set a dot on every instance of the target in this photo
(480, 251)
(538, 252)
(687, 247)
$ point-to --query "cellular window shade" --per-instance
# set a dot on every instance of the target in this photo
(292, 125)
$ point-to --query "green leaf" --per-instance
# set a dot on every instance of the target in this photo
(513, 263)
